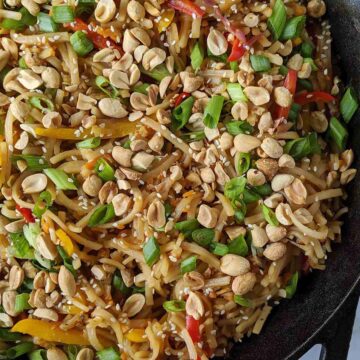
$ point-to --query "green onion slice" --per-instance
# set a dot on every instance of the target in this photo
(39, 354)
(62, 14)
(81, 44)
(189, 264)
(260, 63)
(212, 111)
(43, 202)
(292, 285)
(33, 162)
(349, 104)
(151, 251)
(158, 73)
(18, 350)
(234, 188)
(42, 103)
(307, 49)
(203, 237)
(238, 246)
(104, 170)
(67, 260)
(240, 300)
(91, 143)
(236, 93)
(108, 354)
(197, 56)
(61, 180)
(338, 133)
(174, 305)
(293, 27)
(118, 284)
(182, 113)
(102, 215)
(269, 215)
(302, 147)
(20, 247)
(46, 23)
(243, 161)
(219, 249)
(187, 226)
(277, 20)
(239, 127)
(21, 302)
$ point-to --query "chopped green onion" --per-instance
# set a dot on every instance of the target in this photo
(304, 84)
(240, 215)
(349, 104)
(294, 112)
(42, 103)
(193, 136)
(260, 63)
(102, 82)
(3, 73)
(292, 285)
(236, 93)
(108, 354)
(187, 226)
(238, 127)
(104, 170)
(174, 305)
(158, 73)
(20, 246)
(21, 302)
(61, 179)
(126, 144)
(72, 351)
(240, 300)
(138, 290)
(7, 335)
(81, 44)
(33, 162)
(142, 88)
(31, 232)
(197, 56)
(62, 14)
(283, 70)
(338, 133)
(118, 284)
(168, 209)
(18, 350)
(234, 66)
(26, 20)
(22, 63)
(43, 202)
(188, 264)
(91, 143)
(243, 163)
(203, 237)
(250, 196)
(234, 188)
(277, 20)
(212, 111)
(41, 263)
(263, 190)
(238, 246)
(218, 58)
(85, 7)
(67, 260)
(182, 113)
(39, 354)
(310, 61)
(219, 249)
(46, 23)
(151, 251)
(102, 215)
(269, 215)
(307, 49)
(302, 147)
(293, 27)
(27, 286)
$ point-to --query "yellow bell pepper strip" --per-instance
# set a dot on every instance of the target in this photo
(115, 129)
(72, 310)
(166, 19)
(50, 332)
(136, 335)
(65, 241)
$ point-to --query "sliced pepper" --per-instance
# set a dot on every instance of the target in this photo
(314, 96)
(180, 98)
(187, 7)
(65, 241)
(239, 49)
(193, 327)
(26, 213)
(136, 335)
(290, 84)
(166, 19)
(98, 40)
(50, 332)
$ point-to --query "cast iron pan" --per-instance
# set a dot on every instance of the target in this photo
(298, 324)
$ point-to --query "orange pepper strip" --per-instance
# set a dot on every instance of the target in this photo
(50, 332)
(65, 241)
(62, 133)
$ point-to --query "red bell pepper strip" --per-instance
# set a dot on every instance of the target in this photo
(26, 213)
(238, 49)
(98, 40)
(180, 98)
(193, 327)
(187, 7)
(290, 84)
(315, 96)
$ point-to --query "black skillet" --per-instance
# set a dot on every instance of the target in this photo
(322, 311)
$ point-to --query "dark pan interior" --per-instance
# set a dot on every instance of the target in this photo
(292, 327)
